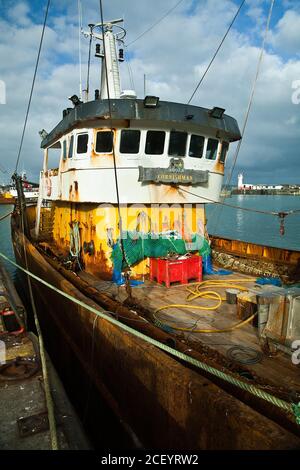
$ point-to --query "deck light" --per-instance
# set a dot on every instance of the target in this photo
(75, 100)
(98, 52)
(216, 112)
(151, 101)
(43, 134)
(121, 55)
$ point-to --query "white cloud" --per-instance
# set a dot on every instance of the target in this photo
(286, 35)
(18, 14)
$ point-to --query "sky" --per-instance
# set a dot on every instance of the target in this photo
(173, 55)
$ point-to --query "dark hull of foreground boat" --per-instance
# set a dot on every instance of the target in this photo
(160, 401)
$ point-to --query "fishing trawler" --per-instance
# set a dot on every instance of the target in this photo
(120, 229)
(30, 190)
(9, 194)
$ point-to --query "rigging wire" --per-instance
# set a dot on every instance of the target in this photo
(48, 395)
(32, 86)
(89, 65)
(79, 46)
(47, 387)
(111, 127)
(247, 209)
(6, 215)
(130, 74)
(250, 100)
(155, 24)
(217, 51)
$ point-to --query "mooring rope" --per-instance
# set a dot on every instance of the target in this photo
(292, 408)
(48, 393)
(6, 215)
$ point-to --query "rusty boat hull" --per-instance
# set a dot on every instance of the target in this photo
(160, 401)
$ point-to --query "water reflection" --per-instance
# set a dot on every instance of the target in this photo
(239, 222)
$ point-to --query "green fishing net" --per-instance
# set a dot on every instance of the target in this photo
(138, 246)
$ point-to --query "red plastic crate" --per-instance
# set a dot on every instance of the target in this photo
(179, 270)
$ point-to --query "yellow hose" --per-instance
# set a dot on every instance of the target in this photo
(208, 294)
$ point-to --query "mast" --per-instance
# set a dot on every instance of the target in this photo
(111, 54)
(110, 60)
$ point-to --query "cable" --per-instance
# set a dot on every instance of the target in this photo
(244, 355)
(6, 215)
(247, 209)
(216, 53)
(155, 24)
(130, 74)
(250, 102)
(207, 294)
(48, 394)
(89, 66)
(32, 86)
(113, 145)
(79, 46)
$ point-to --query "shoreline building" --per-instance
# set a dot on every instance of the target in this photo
(256, 187)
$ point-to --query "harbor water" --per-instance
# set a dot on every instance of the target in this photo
(5, 238)
(252, 227)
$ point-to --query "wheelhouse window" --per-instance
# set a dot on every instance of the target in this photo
(177, 144)
(211, 150)
(64, 149)
(104, 141)
(82, 143)
(71, 145)
(225, 147)
(155, 142)
(196, 146)
(130, 141)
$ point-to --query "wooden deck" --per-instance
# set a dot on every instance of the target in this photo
(277, 371)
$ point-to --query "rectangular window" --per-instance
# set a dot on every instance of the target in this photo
(104, 142)
(130, 141)
(82, 143)
(64, 149)
(177, 144)
(225, 146)
(155, 142)
(71, 144)
(196, 146)
(211, 150)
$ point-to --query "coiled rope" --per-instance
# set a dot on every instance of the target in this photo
(198, 293)
(292, 408)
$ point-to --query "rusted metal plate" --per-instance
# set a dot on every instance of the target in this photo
(33, 424)
(255, 251)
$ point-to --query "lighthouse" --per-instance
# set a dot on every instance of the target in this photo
(240, 180)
